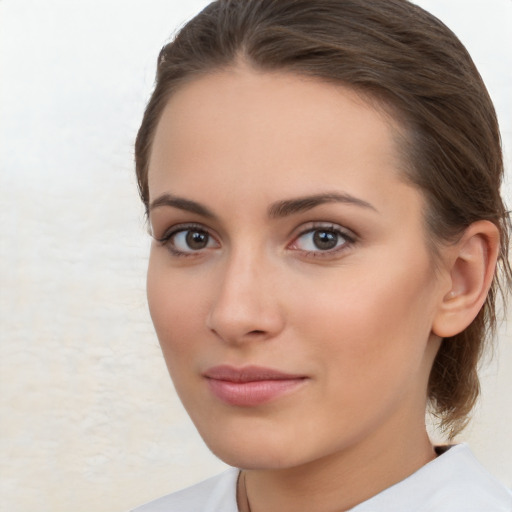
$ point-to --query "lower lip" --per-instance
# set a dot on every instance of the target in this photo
(250, 394)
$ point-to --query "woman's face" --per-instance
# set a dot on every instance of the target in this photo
(289, 281)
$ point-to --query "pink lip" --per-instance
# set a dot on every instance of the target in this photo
(251, 385)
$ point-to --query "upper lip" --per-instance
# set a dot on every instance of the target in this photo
(248, 374)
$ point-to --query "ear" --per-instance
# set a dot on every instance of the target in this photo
(471, 263)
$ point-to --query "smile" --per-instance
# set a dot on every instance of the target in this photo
(251, 385)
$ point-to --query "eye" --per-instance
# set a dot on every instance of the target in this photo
(322, 240)
(186, 240)
(191, 240)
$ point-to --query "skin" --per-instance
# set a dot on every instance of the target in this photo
(356, 321)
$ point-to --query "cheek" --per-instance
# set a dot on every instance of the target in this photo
(371, 325)
(175, 308)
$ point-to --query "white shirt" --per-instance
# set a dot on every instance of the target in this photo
(453, 482)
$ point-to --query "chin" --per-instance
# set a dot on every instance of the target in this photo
(254, 458)
(252, 450)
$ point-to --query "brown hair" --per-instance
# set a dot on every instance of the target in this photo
(394, 52)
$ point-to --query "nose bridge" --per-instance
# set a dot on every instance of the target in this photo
(244, 303)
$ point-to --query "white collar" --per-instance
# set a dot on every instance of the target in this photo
(453, 482)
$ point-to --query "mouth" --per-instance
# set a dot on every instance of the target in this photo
(250, 386)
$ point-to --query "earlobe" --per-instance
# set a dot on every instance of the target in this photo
(472, 262)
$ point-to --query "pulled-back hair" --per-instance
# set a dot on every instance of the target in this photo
(402, 59)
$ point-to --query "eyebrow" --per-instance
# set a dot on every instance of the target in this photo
(181, 204)
(301, 204)
(276, 210)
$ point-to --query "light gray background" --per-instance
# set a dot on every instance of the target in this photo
(89, 420)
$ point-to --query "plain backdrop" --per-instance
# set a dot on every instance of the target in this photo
(89, 419)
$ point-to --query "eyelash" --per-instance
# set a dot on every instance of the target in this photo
(349, 239)
(166, 239)
(348, 236)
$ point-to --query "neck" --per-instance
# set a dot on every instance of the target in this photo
(337, 482)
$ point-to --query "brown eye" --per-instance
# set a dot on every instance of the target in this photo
(189, 240)
(325, 240)
(196, 240)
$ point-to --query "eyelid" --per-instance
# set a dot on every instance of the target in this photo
(176, 228)
(165, 239)
(307, 227)
(349, 235)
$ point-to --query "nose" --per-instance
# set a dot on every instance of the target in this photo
(245, 306)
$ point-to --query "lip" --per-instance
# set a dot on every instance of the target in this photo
(250, 386)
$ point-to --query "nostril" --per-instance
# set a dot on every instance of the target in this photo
(256, 332)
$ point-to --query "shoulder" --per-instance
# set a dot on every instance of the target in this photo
(454, 482)
(217, 494)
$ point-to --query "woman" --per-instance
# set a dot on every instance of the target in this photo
(321, 179)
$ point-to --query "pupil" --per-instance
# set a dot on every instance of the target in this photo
(325, 239)
(197, 240)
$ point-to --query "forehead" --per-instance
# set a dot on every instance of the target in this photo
(261, 132)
